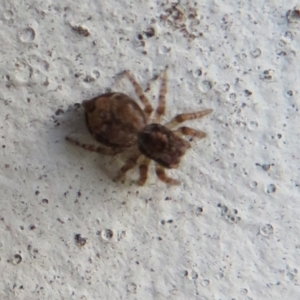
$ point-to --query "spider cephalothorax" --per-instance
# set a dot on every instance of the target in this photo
(119, 123)
(162, 145)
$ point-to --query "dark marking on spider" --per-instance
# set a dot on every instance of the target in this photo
(118, 123)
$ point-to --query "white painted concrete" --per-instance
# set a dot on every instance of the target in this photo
(230, 231)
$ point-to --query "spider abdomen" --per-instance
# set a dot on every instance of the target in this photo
(114, 119)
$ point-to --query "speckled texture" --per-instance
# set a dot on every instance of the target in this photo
(230, 231)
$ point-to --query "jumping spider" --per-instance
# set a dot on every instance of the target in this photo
(119, 123)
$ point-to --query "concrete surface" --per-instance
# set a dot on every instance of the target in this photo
(230, 231)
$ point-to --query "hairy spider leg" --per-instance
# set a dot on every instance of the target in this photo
(161, 174)
(187, 116)
(143, 168)
(93, 148)
(190, 132)
(161, 107)
(138, 90)
(129, 164)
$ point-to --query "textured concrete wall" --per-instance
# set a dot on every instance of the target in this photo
(229, 231)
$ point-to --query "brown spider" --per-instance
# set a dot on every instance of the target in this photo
(117, 122)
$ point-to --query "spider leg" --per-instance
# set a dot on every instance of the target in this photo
(161, 174)
(160, 110)
(143, 168)
(129, 164)
(190, 132)
(138, 90)
(93, 148)
(188, 116)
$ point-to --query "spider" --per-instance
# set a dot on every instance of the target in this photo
(118, 123)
